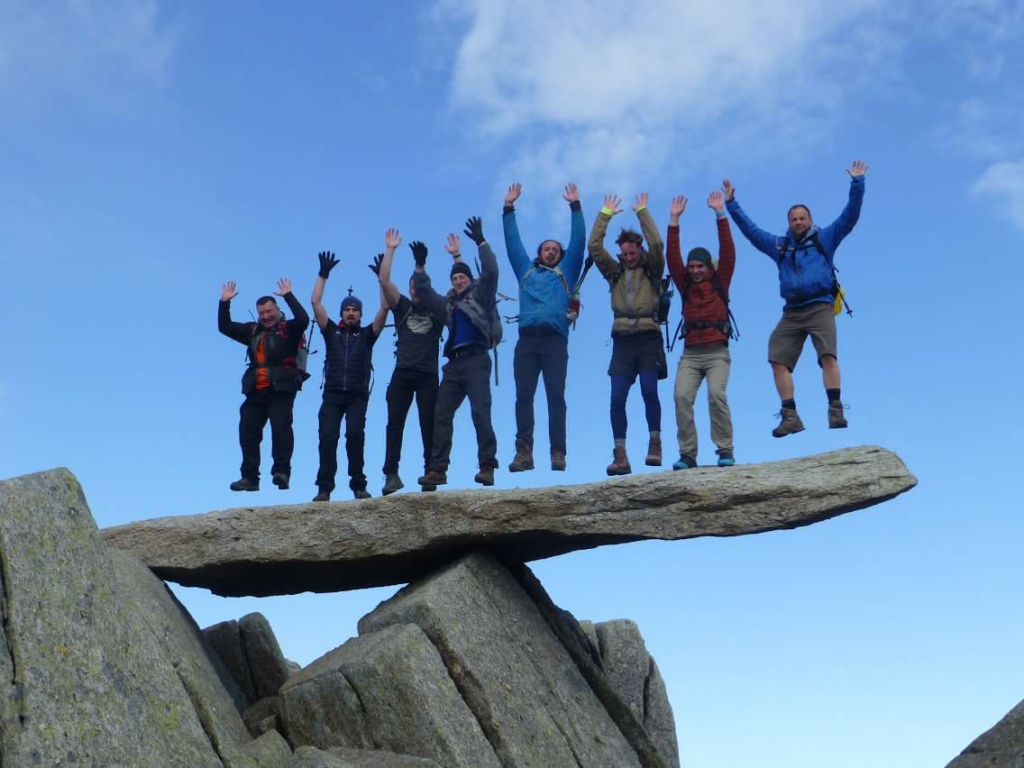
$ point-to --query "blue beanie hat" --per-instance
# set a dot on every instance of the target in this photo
(351, 301)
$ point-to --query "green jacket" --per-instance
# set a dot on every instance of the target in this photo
(635, 292)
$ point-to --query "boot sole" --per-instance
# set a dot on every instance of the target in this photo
(838, 426)
(283, 485)
(237, 490)
(483, 481)
(557, 467)
(791, 432)
(619, 472)
(429, 488)
(652, 462)
(523, 468)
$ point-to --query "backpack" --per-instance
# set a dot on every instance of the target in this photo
(301, 354)
(838, 294)
(728, 326)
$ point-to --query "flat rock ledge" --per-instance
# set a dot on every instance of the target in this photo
(335, 546)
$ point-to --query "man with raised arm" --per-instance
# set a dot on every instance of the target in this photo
(419, 333)
(804, 256)
(706, 330)
(635, 281)
(473, 330)
(349, 350)
(269, 383)
(545, 287)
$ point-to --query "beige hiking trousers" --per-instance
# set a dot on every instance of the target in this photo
(711, 362)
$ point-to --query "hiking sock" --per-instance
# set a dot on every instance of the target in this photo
(655, 434)
(620, 442)
(833, 395)
(791, 403)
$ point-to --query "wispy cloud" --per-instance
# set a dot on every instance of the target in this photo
(1004, 182)
(611, 90)
(81, 45)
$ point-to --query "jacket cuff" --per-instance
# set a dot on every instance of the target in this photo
(607, 211)
(508, 209)
(575, 205)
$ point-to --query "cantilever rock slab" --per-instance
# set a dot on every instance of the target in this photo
(334, 546)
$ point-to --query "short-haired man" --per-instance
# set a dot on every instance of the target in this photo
(419, 334)
(546, 284)
(704, 290)
(804, 256)
(349, 351)
(469, 312)
(635, 281)
(269, 383)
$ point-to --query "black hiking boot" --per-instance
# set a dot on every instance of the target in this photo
(790, 423)
(523, 459)
(245, 484)
(486, 475)
(557, 461)
(322, 496)
(392, 483)
(434, 477)
(361, 493)
(280, 479)
(836, 417)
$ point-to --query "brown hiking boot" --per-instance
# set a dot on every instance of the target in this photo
(434, 477)
(486, 475)
(790, 423)
(557, 461)
(523, 459)
(653, 453)
(836, 417)
(620, 465)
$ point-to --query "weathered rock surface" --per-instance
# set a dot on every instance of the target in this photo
(384, 690)
(395, 540)
(226, 642)
(311, 757)
(266, 663)
(1001, 746)
(99, 665)
(527, 694)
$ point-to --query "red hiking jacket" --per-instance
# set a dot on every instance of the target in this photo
(701, 303)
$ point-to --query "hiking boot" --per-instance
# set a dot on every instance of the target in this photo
(836, 417)
(686, 461)
(428, 487)
(653, 458)
(280, 479)
(557, 461)
(726, 459)
(434, 477)
(245, 484)
(790, 423)
(620, 463)
(361, 493)
(322, 496)
(392, 483)
(486, 475)
(523, 459)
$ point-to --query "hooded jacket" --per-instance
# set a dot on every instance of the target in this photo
(634, 294)
(701, 302)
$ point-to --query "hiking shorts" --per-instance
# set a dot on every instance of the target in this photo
(635, 352)
(787, 340)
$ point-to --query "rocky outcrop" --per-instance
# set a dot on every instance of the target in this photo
(311, 757)
(99, 664)
(1001, 746)
(397, 539)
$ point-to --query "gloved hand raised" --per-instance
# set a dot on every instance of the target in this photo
(375, 267)
(419, 252)
(327, 263)
(475, 229)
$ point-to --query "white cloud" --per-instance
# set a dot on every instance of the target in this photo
(80, 45)
(1004, 182)
(611, 90)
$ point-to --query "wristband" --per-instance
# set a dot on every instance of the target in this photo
(575, 206)
(720, 214)
(607, 211)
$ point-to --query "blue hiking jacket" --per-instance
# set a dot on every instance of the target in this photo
(805, 273)
(543, 299)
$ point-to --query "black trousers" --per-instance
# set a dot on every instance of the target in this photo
(406, 383)
(461, 377)
(257, 408)
(541, 351)
(351, 406)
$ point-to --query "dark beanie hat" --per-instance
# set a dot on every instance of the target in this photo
(461, 267)
(700, 254)
(351, 301)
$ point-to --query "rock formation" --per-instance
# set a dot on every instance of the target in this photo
(1001, 746)
(395, 540)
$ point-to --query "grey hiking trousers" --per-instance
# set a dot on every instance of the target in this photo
(711, 362)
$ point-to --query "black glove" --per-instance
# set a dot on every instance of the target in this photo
(375, 267)
(327, 263)
(475, 230)
(419, 252)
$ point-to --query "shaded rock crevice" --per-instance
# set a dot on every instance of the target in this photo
(202, 715)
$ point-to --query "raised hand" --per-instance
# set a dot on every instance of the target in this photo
(676, 208)
(419, 252)
(475, 230)
(284, 286)
(716, 201)
(327, 263)
(572, 194)
(641, 201)
(227, 291)
(514, 191)
(859, 168)
(452, 246)
(375, 266)
(728, 189)
(392, 238)
(612, 203)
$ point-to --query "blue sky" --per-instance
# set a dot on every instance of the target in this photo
(151, 151)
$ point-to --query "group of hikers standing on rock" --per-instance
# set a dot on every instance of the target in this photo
(466, 316)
